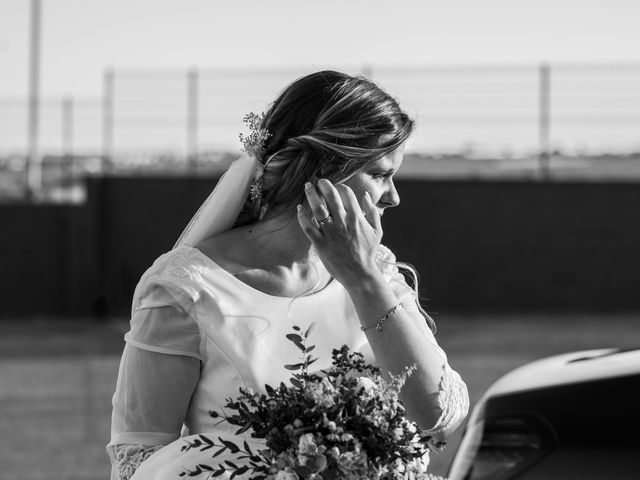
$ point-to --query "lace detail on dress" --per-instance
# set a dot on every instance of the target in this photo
(453, 403)
(187, 267)
(127, 458)
(386, 262)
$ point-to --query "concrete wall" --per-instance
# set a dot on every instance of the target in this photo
(510, 246)
(479, 246)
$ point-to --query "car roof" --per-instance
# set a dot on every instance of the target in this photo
(575, 367)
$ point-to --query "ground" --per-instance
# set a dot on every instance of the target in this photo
(57, 378)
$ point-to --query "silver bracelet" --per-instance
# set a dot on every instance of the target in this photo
(378, 324)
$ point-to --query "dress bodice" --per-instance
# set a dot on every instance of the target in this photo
(191, 311)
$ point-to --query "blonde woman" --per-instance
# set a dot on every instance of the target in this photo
(291, 234)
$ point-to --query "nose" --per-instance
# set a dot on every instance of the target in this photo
(390, 198)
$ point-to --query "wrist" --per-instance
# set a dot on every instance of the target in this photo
(367, 284)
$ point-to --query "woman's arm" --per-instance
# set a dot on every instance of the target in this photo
(157, 376)
(405, 340)
(348, 245)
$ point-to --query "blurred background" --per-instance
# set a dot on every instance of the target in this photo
(520, 189)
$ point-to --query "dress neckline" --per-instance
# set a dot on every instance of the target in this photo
(245, 285)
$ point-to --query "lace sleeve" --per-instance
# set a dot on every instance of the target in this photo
(125, 459)
(452, 399)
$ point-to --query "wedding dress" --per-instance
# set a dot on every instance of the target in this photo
(198, 333)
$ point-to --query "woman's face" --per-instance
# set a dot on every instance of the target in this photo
(377, 179)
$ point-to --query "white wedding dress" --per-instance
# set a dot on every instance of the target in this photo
(198, 334)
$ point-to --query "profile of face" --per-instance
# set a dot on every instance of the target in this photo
(377, 179)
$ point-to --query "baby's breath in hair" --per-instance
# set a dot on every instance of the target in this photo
(254, 143)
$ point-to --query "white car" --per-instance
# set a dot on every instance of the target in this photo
(571, 416)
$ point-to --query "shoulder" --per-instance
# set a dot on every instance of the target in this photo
(177, 274)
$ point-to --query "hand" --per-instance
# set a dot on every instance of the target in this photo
(345, 235)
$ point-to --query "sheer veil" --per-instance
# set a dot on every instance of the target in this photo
(219, 211)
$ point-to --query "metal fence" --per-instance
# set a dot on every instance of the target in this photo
(178, 120)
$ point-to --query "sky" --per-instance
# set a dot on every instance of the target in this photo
(80, 38)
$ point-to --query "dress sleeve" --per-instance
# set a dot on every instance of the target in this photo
(159, 371)
(451, 398)
(387, 264)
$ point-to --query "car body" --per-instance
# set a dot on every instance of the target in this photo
(571, 416)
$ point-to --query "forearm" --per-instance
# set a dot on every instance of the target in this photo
(403, 341)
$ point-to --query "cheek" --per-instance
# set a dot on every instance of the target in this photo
(359, 186)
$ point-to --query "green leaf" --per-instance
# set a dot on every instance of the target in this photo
(310, 349)
(294, 337)
(217, 473)
(239, 471)
(231, 464)
(296, 383)
(296, 328)
(295, 366)
(297, 340)
(243, 429)
(219, 452)
(247, 448)
(306, 334)
(233, 448)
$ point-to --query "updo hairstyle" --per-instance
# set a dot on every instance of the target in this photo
(324, 125)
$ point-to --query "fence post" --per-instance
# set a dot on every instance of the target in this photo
(107, 118)
(67, 167)
(544, 121)
(34, 162)
(192, 119)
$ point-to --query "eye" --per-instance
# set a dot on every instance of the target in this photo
(382, 175)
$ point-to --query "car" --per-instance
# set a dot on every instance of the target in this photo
(570, 416)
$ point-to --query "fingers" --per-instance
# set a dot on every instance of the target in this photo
(309, 229)
(349, 200)
(332, 198)
(316, 203)
(371, 213)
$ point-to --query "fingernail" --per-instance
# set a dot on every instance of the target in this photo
(299, 207)
(366, 194)
(308, 185)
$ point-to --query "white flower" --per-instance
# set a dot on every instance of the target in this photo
(307, 444)
(286, 475)
(366, 383)
(327, 385)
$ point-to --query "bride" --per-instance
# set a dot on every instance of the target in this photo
(290, 235)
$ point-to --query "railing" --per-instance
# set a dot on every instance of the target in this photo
(184, 120)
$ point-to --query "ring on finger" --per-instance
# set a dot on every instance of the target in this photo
(324, 220)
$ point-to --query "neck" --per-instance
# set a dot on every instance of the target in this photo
(284, 240)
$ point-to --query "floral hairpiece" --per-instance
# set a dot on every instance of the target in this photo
(253, 144)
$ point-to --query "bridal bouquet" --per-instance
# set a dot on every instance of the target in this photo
(344, 423)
